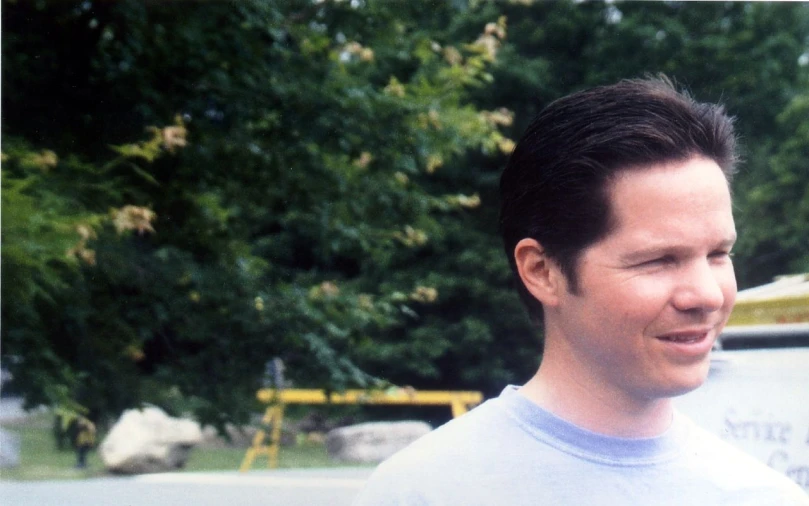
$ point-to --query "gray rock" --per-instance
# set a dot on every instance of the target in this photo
(372, 442)
(13, 412)
(9, 449)
(234, 437)
(149, 441)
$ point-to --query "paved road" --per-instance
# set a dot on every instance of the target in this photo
(314, 487)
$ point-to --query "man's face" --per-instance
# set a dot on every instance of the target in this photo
(657, 291)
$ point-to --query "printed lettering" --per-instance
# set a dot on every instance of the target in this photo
(756, 429)
(800, 474)
(779, 460)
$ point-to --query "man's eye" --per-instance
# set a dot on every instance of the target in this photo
(720, 255)
(664, 260)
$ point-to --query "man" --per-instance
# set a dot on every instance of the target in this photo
(85, 440)
(617, 221)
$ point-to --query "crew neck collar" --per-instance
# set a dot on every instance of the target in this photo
(575, 440)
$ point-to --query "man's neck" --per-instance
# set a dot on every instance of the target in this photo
(594, 406)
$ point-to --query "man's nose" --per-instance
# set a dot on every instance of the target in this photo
(699, 288)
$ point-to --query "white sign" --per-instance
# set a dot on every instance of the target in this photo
(758, 400)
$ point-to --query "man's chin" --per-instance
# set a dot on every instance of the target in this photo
(686, 380)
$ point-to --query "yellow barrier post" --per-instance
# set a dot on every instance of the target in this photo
(458, 401)
(275, 437)
(273, 417)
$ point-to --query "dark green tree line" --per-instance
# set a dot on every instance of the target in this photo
(293, 209)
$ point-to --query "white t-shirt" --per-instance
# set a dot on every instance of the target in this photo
(509, 451)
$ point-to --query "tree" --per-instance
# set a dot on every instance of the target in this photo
(776, 210)
(300, 220)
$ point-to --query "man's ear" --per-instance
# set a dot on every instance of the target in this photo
(539, 273)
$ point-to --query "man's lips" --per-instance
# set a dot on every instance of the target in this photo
(688, 344)
(685, 336)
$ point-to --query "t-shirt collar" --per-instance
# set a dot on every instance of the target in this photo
(575, 440)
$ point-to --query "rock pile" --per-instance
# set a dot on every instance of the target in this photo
(149, 441)
(372, 442)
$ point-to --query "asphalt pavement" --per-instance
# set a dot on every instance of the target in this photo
(288, 487)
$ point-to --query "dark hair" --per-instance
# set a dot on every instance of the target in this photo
(555, 187)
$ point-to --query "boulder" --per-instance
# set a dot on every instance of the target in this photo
(9, 449)
(372, 442)
(234, 437)
(315, 421)
(148, 441)
(242, 436)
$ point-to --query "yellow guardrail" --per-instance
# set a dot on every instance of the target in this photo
(458, 401)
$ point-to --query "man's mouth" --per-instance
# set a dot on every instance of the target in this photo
(685, 337)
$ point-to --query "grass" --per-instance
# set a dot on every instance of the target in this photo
(303, 455)
(40, 460)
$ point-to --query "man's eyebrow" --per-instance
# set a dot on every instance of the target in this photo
(729, 242)
(651, 252)
(665, 249)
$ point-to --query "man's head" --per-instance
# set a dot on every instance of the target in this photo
(556, 186)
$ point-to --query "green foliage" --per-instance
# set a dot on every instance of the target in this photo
(776, 211)
(299, 218)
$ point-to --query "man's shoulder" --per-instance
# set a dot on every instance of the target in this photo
(453, 441)
(438, 463)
